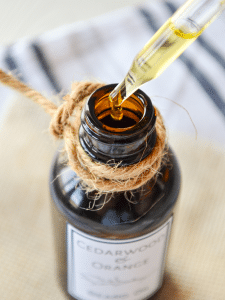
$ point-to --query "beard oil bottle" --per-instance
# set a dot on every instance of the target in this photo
(113, 245)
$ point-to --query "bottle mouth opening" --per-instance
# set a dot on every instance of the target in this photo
(126, 141)
(137, 112)
(133, 111)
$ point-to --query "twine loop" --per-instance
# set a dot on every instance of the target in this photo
(98, 176)
(80, 90)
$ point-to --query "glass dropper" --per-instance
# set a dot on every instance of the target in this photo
(179, 31)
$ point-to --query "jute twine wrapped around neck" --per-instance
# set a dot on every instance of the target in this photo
(95, 176)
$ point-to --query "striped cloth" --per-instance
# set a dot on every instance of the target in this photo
(103, 48)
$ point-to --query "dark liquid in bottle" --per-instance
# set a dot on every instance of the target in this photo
(125, 122)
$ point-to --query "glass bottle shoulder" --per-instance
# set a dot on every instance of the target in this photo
(118, 215)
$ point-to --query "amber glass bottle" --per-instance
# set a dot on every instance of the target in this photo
(113, 246)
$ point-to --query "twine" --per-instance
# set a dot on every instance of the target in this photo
(94, 175)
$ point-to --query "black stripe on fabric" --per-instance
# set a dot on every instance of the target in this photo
(215, 54)
(199, 76)
(11, 63)
(45, 66)
(205, 83)
(149, 19)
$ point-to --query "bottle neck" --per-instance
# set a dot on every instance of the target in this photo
(127, 141)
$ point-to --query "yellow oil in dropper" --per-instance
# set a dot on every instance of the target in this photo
(147, 66)
(164, 47)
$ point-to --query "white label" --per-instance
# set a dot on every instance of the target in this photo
(115, 269)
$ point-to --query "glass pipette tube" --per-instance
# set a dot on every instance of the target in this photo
(169, 42)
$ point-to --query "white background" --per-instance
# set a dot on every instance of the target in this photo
(30, 18)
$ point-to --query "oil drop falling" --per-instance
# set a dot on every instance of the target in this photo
(116, 108)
